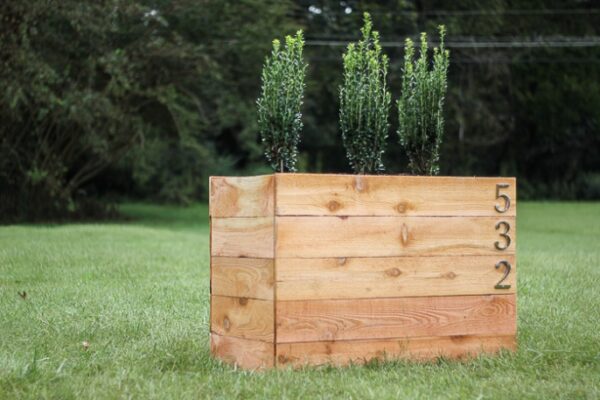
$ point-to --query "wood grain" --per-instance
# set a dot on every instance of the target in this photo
(243, 317)
(349, 278)
(327, 194)
(242, 237)
(250, 196)
(243, 277)
(307, 237)
(359, 351)
(245, 353)
(327, 320)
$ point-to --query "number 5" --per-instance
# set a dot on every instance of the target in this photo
(502, 196)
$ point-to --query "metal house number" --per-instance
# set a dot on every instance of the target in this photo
(507, 268)
(503, 196)
(505, 228)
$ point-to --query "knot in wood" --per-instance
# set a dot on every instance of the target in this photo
(450, 275)
(404, 234)
(282, 359)
(333, 206)
(393, 272)
(243, 301)
(226, 324)
(402, 207)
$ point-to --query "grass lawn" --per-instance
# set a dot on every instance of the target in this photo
(137, 292)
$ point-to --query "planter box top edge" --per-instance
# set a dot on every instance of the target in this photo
(345, 175)
(359, 195)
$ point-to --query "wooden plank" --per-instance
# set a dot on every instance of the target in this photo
(242, 237)
(359, 351)
(308, 237)
(243, 317)
(349, 278)
(326, 194)
(243, 277)
(245, 353)
(250, 196)
(326, 320)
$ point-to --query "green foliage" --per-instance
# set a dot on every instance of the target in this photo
(365, 102)
(280, 103)
(145, 100)
(421, 105)
(83, 84)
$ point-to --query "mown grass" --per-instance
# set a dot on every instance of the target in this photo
(137, 292)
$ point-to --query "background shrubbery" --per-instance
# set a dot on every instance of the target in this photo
(146, 99)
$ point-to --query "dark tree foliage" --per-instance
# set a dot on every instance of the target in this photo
(142, 91)
(147, 98)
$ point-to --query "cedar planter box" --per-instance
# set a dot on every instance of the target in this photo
(316, 268)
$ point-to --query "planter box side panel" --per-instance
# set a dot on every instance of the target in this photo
(243, 277)
(250, 196)
(245, 353)
(242, 312)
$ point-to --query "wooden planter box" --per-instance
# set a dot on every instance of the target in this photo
(315, 268)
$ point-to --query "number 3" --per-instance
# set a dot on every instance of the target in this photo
(504, 234)
(502, 196)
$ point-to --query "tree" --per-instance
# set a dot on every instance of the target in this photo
(145, 99)
(365, 101)
(421, 105)
(280, 103)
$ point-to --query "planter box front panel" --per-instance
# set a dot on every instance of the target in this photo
(358, 351)
(374, 277)
(315, 237)
(368, 195)
(342, 268)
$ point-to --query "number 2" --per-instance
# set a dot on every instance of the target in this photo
(507, 269)
(504, 234)
(502, 196)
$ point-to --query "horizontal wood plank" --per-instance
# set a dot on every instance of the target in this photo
(243, 317)
(327, 194)
(250, 196)
(242, 237)
(359, 351)
(245, 353)
(243, 277)
(307, 237)
(350, 278)
(327, 320)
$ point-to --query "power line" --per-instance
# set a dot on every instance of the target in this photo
(504, 60)
(461, 13)
(560, 42)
